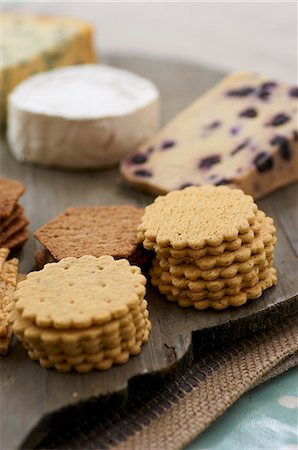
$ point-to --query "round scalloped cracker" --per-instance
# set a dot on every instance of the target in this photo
(184, 291)
(197, 216)
(235, 300)
(92, 348)
(265, 237)
(75, 359)
(162, 277)
(77, 293)
(91, 362)
(90, 339)
(88, 346)
(194, 273)
(227, 246)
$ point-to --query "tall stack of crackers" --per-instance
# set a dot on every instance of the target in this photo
(213, 247)
(82, 313)
(13, 223)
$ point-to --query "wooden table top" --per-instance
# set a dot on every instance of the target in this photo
(30, 392)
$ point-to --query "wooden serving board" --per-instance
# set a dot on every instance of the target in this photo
(30, 395)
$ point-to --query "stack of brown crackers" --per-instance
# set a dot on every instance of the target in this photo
(213, 247)
(8, 283)
(13, 223)
(82, 314)
(92, 230)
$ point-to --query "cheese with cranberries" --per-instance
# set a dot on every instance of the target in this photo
(242, 133)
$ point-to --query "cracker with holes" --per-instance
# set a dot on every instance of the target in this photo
(92, 230)
(82, 313)
(196, 217)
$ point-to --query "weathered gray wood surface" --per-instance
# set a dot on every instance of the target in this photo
(28, 392)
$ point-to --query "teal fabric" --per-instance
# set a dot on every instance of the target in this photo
(265, 418)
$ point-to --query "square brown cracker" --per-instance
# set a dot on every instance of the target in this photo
(17, 240)
(14, 227)
(10, 192)
(43, 257)
(94, 230)
(16, 213)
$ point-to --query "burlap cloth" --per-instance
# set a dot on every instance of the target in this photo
(167, 414)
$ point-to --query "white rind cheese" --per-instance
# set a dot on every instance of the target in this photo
(81, 116)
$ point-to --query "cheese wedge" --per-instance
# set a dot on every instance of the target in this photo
(81, 116)
(33, 44)
(242, 133)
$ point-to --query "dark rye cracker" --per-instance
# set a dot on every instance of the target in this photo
(16, 213)
(92, 230)
(10, 192)
(14, 227)
(16, 240)
(43, 257)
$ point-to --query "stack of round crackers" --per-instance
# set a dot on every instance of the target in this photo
(213, 247)
(82, 314)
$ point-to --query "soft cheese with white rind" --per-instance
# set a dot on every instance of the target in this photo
(33, 44)
(81, 116)
(242, 133)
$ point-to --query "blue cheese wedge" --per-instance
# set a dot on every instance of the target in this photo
(33, 44)
(242, 133)
(82, 116)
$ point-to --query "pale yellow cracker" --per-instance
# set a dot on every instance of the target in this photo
(4, 252)
(94, 348)
(192, 272)
(241, 247)
(86, 362)
(265, 237)
(197, 216)
(169, 288)
(111, 353)
(78, 293)
(88, 346)
(8, 282)
(244, 238)
(236, 300)
(89, 339)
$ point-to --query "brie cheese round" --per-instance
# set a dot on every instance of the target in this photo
(81, 116)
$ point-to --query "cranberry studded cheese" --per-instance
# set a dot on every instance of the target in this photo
(242, 133)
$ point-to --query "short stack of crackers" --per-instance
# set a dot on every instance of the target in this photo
(13, 223)
(82, 313)
(213, 247)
